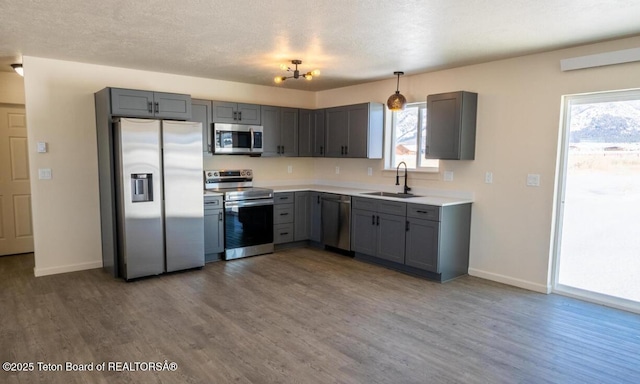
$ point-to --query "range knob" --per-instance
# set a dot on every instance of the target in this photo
(249, 173)
(243, 173)
(216, 174)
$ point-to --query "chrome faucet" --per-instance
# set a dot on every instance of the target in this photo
(406, 188)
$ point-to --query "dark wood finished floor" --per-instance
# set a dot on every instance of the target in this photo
(307, 316)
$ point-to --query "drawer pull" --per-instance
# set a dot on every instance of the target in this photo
(284, 233)
(284, 214)
(425, 212)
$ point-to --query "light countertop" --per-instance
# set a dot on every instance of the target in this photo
(440, 201)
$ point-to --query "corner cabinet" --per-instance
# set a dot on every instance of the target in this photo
(280, 131)
(136, 103)
(451, 126)
(355, 131)
(235, 113)
(311, 133)
(201, 112)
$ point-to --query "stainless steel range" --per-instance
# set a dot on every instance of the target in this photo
(248, 212)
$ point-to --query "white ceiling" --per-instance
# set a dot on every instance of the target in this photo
(349, 41)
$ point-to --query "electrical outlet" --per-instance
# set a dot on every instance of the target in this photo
(44, 173)
(337, 170)
(533, 180)
(448, 175)
(370, 171)
(488, 177)
(42, 147)
(289, 168)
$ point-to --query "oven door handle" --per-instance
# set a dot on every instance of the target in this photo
(248, 203)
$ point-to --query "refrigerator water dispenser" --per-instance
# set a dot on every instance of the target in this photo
(141, 187)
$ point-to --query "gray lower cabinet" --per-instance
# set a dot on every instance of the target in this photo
(235, 113)
(311, 133)
(378, 228)
(354, 131)
(213, 228)
(302, 216)
(201, 112)
(280, 135)
(315, 219)
(283, 217)
(422, 244)
(137, 103)
(451, 119)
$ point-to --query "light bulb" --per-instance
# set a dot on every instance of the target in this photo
(284, 67)
(308, 76)
(278, 79)
(315, 72)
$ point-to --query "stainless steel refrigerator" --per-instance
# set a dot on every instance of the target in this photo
(159, 198)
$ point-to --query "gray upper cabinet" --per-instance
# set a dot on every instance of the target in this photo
(451, 126)
(311, 133)
(136, 103)
(280, 135)
(235, 113)
(201, 112)
(354, 131)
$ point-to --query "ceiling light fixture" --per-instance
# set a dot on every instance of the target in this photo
(396, 102)
(296, 72)
(18, 68)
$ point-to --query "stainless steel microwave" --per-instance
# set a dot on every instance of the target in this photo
(237, 139)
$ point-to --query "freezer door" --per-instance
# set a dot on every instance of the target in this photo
(139, 194)
(183, 195)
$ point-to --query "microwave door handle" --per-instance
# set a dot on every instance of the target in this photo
(251, 132)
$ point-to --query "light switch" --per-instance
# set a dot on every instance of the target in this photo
(289, 168)
(42, 147)
(337, 170)
(44, 173)
(448, 175)
(370, 171)
(533, 180)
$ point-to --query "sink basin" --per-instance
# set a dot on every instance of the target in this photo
(391, 194)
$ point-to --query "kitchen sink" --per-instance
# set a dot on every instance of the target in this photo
(391, 194)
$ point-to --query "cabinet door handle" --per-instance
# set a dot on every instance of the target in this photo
(378, 221)
(322, 150)
(342, 149)
(373, 219)
(240, 116)
(407, 227)
(282, 150)
(346, 149)
(426, 149)
(219, 216)
(157, 107)
(150, 107)
(318, 199)
(235, 115)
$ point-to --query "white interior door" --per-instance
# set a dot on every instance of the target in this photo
(598, 232)
(16, 229)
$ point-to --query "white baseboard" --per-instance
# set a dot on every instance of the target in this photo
(510, 281)
(66, 268)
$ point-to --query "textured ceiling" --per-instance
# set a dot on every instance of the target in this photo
(349, 41)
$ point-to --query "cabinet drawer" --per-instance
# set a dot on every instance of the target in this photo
(283, 198)
(283, 213)
(379, 205)
(283, 233)
(364, 204)
(428, 212)
(212, 202)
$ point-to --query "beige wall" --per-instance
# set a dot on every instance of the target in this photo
(517, 133)
(11, 88)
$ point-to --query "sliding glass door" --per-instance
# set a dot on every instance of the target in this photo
(598, 213)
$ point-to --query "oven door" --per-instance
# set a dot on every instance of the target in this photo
(237, 139)
(248, 227)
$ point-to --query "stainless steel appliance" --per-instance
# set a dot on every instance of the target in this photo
(158, 176)
(237, 139)
(248, 212)
(336, 221)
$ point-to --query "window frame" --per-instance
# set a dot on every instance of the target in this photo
(432, 166)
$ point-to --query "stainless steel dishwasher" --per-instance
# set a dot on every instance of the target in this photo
(336, 221)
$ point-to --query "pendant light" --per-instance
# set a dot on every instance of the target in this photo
(396, 101)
